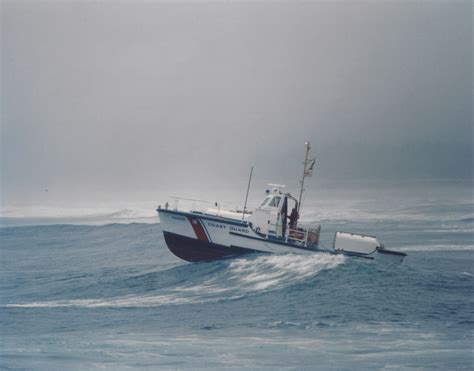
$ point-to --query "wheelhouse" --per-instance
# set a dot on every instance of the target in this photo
(276, 214)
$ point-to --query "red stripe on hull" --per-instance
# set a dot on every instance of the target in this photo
(198, 228)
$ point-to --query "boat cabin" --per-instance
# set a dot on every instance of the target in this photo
(276, 214)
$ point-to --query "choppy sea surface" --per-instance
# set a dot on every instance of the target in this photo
(103, 291)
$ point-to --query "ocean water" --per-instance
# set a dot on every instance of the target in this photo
(103, 291)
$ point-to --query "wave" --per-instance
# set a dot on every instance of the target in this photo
(38, 215)
(230, 280)
(337, 215)
(438, 247)
(448, 229)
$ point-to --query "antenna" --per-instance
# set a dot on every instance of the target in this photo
(247, 194)
(308, 147)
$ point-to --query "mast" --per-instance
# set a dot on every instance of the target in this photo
(247, 194)
(304, 175)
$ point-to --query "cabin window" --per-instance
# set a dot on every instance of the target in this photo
(275, 201)
(265, 201)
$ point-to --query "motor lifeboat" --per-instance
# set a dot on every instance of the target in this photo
(196, 233)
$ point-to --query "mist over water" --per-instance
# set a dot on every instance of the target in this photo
(367, 200)
(109, 101)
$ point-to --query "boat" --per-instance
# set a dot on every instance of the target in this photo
(198, 233)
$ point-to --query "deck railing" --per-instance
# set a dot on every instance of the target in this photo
(213, 208)
(308, 237)
(193, 204)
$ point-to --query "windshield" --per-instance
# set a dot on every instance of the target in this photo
(275, 201)
(265, 201)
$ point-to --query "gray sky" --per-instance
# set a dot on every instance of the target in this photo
(110, 98)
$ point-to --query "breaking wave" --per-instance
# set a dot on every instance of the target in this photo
(439, 247)
(213, 282)
(40, 215)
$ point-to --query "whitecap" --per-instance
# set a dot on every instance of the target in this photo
(242, 277)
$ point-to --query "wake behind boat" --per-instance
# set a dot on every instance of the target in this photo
(203, 234)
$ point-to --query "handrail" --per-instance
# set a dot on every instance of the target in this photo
(190, 199)
(217, 204)
(194, 201)
(296, 232)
